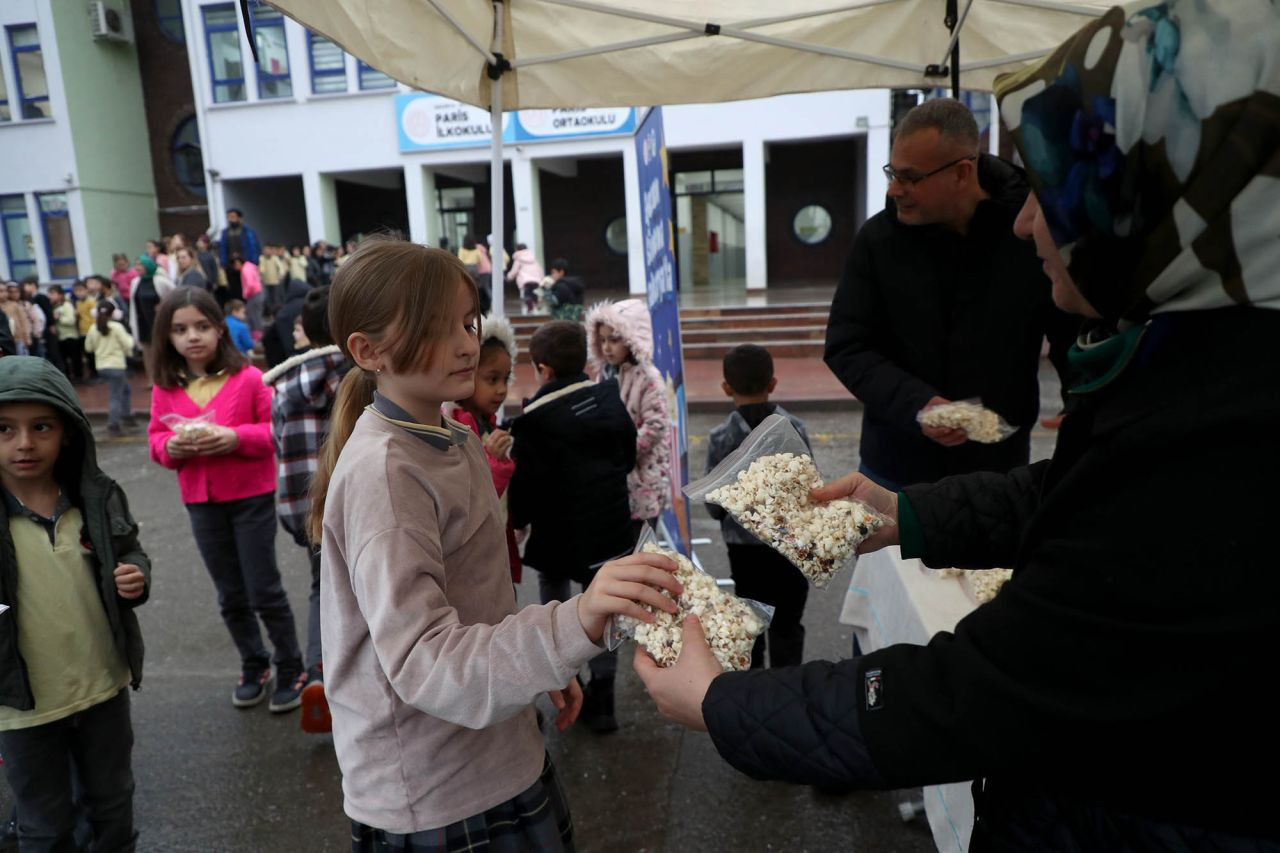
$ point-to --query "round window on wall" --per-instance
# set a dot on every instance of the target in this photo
(188, 159)
(615, 234)
(812, 224)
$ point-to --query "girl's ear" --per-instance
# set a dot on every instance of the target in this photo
(363, 352)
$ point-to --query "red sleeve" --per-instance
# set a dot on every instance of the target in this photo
(502, 470)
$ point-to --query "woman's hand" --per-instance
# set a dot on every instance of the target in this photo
(864, 490)
(621, 586)
(220, 441)
(679, 689)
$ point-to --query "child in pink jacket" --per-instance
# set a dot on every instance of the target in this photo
(211, 422)
(620, 342)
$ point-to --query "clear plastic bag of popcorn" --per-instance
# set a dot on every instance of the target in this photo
(765, 484)
(731, 624)
(191, 429)
(979, 423)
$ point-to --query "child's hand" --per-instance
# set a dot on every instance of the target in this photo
(130, 582)
(568, 703)
(498, 443)
(621, 586)
(180, 448)
(220, 441)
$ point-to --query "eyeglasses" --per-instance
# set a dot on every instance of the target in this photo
(911, 180)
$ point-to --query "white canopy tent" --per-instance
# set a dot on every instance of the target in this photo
(590, 53)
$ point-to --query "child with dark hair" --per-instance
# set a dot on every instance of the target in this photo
(479, 413)
(237, 317)
(111, 345)
(574, 446)
(759, 572)
(211, 422)
(72, 569)
(306, 386)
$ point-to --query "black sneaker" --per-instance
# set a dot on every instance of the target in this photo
(252, 689)
(288, 692)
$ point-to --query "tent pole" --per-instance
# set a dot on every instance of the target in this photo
(953, 21)
(498, 274)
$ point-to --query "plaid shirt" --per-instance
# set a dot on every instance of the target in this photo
(305, 387)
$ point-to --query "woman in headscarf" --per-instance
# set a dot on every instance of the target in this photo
(1118, 693)
(152, 285)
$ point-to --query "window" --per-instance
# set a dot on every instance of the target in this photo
(31, 89)
(811, 224)
(372, 78)
(719, 181)
(328, 65)
(57, 235)
(169, 19)
(5, 115)
(188, 158)
(222, 35)
(17, 236)
(273, 54)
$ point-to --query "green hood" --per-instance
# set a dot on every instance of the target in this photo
(25, 379)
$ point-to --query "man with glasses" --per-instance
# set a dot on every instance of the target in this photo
(940, 301)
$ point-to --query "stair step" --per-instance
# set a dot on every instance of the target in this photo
(778, 349)
(752, 334)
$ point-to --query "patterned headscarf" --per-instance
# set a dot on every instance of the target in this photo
(1152, 140)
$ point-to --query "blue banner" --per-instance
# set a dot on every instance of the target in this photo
(664, 311)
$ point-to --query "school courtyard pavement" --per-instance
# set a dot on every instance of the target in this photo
(214, 778)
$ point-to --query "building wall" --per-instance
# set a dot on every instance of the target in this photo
(575, 213)
(166, 89)
(103, 91)
(804, 173)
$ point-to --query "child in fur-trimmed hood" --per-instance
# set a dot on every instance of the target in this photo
(620, 343)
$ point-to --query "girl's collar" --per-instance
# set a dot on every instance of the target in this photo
(441, 437)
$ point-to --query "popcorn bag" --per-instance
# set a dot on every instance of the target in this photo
(731, 624)
(979, 423)
(765, 484)
(190, 429)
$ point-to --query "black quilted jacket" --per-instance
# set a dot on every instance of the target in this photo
(921, 311)
(1119, 692)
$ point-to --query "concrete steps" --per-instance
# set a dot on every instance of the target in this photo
(787, 330)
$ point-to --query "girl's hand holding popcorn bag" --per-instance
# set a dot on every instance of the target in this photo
(772, 488)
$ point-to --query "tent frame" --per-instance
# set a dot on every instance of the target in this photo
(497, 65)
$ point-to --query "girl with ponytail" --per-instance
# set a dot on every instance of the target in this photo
(431, 671)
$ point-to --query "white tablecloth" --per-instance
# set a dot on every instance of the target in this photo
(891, 600)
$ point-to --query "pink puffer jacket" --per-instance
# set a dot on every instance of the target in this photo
(644, 394)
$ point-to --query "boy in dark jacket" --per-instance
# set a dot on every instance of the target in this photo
(71, 572)
(573, 446)
(759, 572)
(305, 388)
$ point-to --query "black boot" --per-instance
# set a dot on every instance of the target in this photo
(597, 706)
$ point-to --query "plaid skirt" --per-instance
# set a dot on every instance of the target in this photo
(537, 819)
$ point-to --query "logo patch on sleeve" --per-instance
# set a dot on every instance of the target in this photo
(873, 682)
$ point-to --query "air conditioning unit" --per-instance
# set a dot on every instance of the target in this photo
(107, 24)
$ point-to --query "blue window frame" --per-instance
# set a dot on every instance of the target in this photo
(58, 242)
(328, 65)
(5, 115)
(222, 39)
(169, 19)
(372, 78)
(273, 53)
(18, 243)
(31, 88)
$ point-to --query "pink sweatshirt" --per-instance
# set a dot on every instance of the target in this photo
(244, 404)
(250, 280)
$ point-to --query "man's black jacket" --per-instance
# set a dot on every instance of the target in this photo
(1119, 691)
(573, 446)
(922, 311)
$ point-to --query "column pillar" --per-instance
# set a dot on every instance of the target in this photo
(877, 155)
(416, 200)
(526, 192)
(754, 203)
(635, 222)
(321, 199)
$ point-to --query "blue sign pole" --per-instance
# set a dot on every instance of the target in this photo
(664, 311)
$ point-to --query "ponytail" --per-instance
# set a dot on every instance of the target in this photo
(355, 392)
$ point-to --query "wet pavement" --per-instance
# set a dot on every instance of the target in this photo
(211, 777)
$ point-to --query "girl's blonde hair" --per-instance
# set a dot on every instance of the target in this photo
(403, 297)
